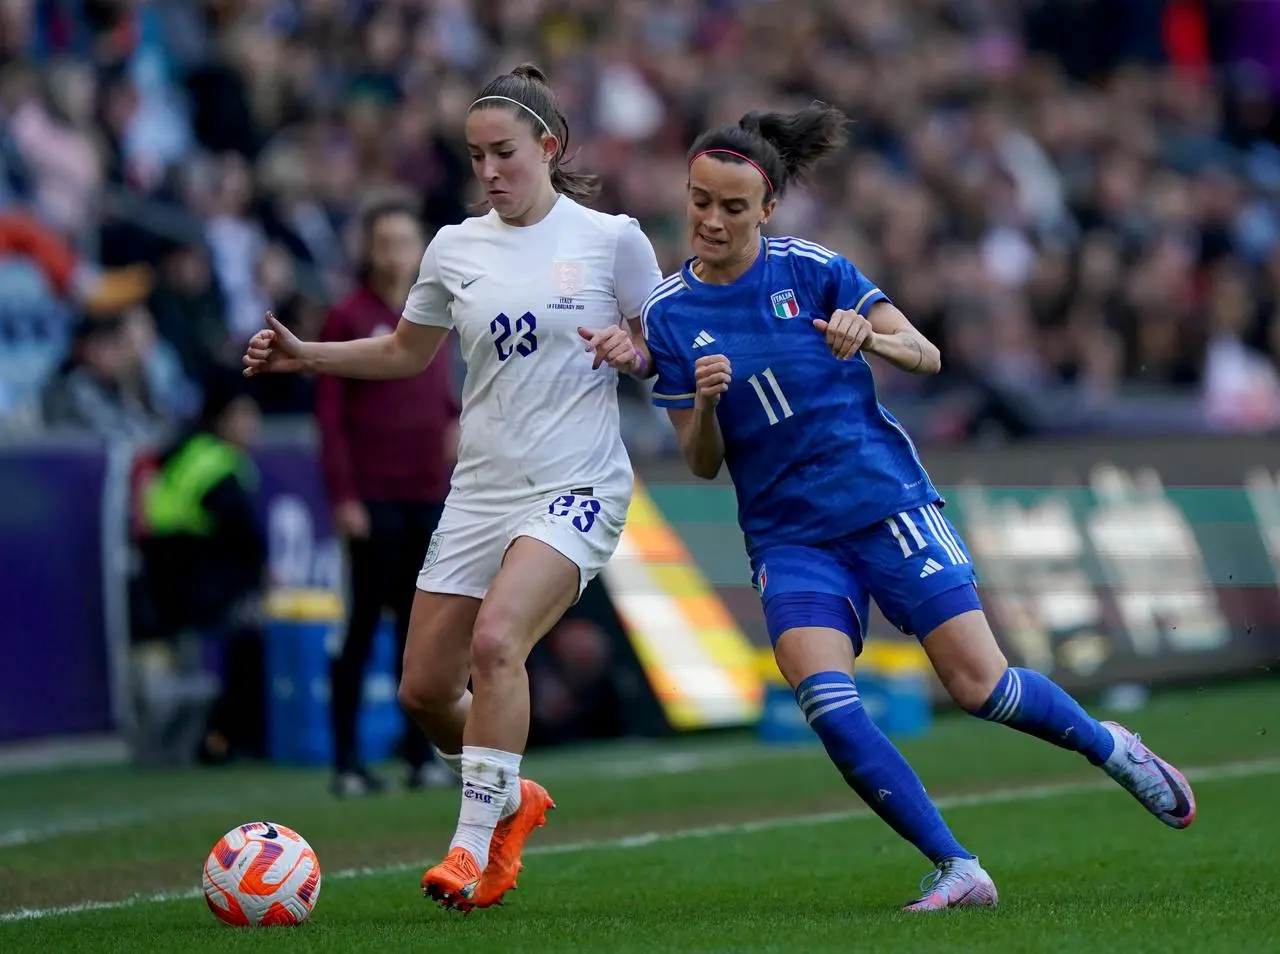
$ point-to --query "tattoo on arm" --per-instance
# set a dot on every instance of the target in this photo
(914, 342)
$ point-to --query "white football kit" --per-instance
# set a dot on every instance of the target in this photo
(540, 450)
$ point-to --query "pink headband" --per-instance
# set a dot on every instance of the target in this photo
(729, 152)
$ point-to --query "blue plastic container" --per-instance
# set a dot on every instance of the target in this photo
(303, 634)
(781, 721)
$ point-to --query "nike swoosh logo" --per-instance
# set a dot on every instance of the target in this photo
(1181, 807)
(973, 886)
(471, 281)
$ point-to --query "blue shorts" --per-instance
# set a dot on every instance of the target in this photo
(914, 565)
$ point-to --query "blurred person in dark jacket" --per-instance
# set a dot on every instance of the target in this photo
(387, 449)
(102, 385)
(190, 311)
(205, 557)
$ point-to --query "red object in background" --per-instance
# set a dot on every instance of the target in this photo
(1186, 38)
(143, 470)
(25, 235)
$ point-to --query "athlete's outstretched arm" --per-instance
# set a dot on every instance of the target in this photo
(701, 442)
(400, 355)
(899, 342)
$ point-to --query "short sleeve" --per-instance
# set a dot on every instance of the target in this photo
(428, 302)
(673, 386)
(635, 269)
(847, 288)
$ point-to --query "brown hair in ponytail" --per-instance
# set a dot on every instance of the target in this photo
(528, 86)
(783, 146)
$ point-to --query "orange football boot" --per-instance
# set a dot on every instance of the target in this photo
(508, 843)
(454, 881)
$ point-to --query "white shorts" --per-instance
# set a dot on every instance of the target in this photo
(468, 545)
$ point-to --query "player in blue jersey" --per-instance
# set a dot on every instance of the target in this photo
(760, 346)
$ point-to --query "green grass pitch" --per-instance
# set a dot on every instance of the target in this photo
(706, 844)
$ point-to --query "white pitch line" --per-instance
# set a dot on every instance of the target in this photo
(640, 765)
(17, 837)
(1209, 773)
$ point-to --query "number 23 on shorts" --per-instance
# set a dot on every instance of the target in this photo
(580, 508)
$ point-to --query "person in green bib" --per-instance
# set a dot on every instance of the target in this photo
(205, 557)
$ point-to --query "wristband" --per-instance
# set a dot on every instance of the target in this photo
(640, 365)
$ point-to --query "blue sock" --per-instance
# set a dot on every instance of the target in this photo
(872, 766)
(1032, 703)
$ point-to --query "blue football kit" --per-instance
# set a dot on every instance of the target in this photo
(837, 510)
(832, 496)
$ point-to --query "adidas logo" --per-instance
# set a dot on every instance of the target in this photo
(931, 567)
(702, 340)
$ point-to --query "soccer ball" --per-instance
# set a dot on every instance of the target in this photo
(261, 874)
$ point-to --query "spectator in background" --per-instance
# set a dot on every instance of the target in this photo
(237, 241)
(1242, 387)
(1030, 171)
(102, 385)
(170, 389)
(53, 130)
(386, 448)
(190, 311)
(205, 559)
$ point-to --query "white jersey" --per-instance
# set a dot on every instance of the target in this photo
(536, 418)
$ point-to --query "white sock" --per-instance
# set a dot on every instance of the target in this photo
(488, 775)
(454, 761)
(513, 799)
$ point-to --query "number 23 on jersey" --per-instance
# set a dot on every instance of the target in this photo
(514, 337)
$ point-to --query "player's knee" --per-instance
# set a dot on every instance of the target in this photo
(421, 695)
(971, 691)
(495, 643)
(429, 687)
(410, 695)
(970, 679)
(972, 673)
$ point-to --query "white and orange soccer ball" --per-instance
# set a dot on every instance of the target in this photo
(262, 875)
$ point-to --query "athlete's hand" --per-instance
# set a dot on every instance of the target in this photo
(712, 375)
(351, 520)
(613, 346)
(274, 349)
(847, 332)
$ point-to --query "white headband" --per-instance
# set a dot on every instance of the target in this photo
(516, 102)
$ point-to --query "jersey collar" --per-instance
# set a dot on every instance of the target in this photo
(750, 276)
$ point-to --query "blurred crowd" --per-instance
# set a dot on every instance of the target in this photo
(1073, 197)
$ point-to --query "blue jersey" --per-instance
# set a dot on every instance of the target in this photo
(812, 453)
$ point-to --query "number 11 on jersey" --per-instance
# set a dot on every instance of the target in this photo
(778, 396)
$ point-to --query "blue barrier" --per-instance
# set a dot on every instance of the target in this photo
(302, 636)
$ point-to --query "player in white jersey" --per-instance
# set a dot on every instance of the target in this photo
(545, 296)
